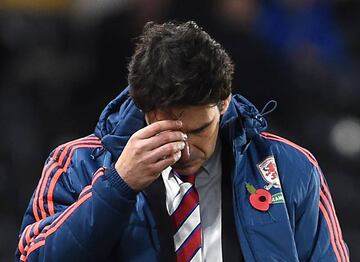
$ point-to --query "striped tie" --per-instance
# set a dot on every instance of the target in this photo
(185, 217)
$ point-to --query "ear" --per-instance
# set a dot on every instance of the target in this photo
(146, 118)
(225, 104)
(151, 117)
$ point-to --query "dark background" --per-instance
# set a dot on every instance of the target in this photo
(61, 61)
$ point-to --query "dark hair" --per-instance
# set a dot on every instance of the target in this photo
(178, 64)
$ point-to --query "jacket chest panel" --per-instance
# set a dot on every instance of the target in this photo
(263, 230)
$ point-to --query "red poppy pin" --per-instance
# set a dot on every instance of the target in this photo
(260, 199)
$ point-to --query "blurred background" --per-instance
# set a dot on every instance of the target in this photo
(62, 61)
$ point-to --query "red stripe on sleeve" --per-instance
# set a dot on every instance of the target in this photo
(333, 218)
(50, 229)
(309, 156)
(71, 209)
(47, 171)
(58, 173)
(328, 222)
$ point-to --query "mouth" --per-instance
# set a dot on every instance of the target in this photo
(182, 165)
(186, 165)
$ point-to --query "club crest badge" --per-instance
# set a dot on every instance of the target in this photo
(269, 173)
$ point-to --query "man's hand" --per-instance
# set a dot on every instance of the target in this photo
(149, 151)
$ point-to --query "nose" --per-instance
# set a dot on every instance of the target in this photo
(185, 154)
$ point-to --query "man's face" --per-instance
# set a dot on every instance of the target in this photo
(201, 124)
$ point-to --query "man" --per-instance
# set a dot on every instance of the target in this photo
(128, 192)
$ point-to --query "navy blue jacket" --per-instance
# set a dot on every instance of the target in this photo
(83, 210)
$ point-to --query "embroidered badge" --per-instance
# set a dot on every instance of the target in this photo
(269, 173)
(277, 198)
(260, 199)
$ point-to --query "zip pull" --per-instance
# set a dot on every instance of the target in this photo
(272, 105)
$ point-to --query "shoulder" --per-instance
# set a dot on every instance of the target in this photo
(73, 161)
(67, 170)
(68, 150)
(298, 169)
(289, 150)
(288, 154)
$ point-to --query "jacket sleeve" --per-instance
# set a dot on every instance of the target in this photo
(317, 231)
(62, 224)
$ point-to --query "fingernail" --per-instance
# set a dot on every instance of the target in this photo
(185, 136)
(182, 146)
(178, 122)
(178, 155)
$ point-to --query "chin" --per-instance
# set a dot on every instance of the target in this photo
(187, 170)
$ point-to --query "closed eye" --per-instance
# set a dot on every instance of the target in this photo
(200, 129)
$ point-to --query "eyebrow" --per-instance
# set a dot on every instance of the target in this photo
(201, 128)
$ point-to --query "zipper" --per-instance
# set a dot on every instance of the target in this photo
(237, 216)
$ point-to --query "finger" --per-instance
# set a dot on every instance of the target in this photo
(166, 162)
(158, 127)
(164, 151)
(185, 153)
(163, 138)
